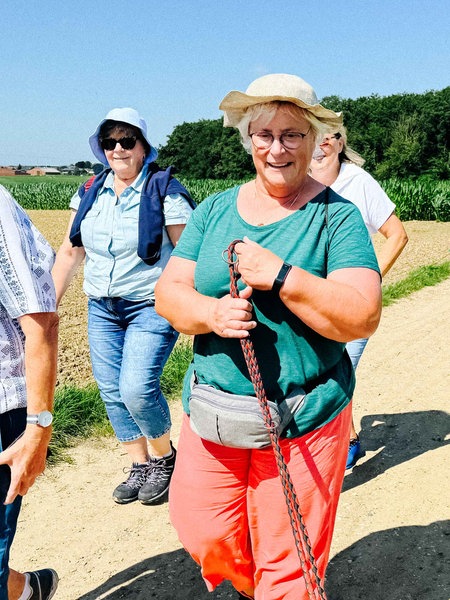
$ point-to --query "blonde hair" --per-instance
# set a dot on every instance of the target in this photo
(347, 154)
(267, 110)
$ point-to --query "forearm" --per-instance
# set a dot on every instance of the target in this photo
(185, 309)
(26, 457)
(68, 259)
(335, 309)
(193, 313)
(41, 348)
(66, 265)
(396, 240)
(391, 250)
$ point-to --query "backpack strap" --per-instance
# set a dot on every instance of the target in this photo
(89, 182)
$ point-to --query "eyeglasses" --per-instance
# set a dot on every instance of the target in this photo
(290, 140)
(327, 138)
(127, 143)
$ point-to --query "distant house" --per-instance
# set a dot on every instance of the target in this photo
(39, 171)
(68, 170)
(7, 171)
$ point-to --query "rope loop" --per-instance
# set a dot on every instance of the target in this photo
(229, 255)
(314, 586)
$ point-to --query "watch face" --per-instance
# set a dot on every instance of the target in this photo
(45, 418)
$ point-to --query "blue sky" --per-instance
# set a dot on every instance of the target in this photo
(64, 64)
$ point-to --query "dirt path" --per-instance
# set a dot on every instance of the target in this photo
(391, 540)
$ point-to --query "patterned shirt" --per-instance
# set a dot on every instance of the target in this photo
(26, 287)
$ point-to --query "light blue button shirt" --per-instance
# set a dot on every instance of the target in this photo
(110, 238)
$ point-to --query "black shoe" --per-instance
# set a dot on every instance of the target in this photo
(43, 583)
(159, 474)
(128, 490)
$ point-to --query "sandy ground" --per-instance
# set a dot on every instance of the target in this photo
(392, 536)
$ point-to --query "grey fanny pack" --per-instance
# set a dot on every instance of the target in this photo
(237, 421)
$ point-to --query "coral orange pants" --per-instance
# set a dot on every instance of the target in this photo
(230, 513)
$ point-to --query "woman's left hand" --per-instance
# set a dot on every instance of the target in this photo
(257, 265)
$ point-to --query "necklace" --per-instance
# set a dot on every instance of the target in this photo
(287, 205)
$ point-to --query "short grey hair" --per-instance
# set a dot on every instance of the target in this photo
(267, 111)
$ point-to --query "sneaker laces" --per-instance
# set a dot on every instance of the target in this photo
(137, 475)
(160, 469)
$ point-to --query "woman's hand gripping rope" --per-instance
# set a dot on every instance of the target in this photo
(232, 316)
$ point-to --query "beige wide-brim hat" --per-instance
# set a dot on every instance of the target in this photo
(276, 87)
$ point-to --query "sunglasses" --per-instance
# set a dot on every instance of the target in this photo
(127, 143)
(327, 138)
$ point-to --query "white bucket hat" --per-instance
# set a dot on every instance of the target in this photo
(124, 115)
(276, 87)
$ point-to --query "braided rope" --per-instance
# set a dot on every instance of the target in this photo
(308, 566)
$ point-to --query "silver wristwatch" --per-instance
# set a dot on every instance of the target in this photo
(43, 419)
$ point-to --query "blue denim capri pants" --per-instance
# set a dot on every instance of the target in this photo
(129, 345)
(355, 350)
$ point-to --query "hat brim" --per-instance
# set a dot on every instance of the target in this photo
(236, 103)
(99, 153)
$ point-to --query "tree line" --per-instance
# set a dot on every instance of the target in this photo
(403, 135)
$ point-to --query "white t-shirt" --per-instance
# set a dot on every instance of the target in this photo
(356, 185)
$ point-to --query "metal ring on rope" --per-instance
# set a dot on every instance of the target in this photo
(308, 565)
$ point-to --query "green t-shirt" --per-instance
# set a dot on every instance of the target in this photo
(289, 353)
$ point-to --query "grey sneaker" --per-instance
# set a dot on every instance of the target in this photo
(128, 490)
(159, 474)
(43, 583)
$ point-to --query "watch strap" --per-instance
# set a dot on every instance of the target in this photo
(43, 419)
(281, 277)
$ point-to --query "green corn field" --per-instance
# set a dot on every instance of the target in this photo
(42, 193)
(422, 199)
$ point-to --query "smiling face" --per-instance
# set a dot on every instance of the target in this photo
(282, 170)
(126, 163)
(326, 155)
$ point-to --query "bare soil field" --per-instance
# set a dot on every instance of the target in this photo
(392, 537)
(429, 243)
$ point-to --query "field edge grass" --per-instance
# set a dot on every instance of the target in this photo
(416, 280)
(79, 412)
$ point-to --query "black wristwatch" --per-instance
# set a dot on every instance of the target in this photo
(281, 277)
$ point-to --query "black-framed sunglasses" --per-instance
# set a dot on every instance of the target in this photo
(327, 138)
(127, 143)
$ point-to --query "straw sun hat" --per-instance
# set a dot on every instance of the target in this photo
(276, 87)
